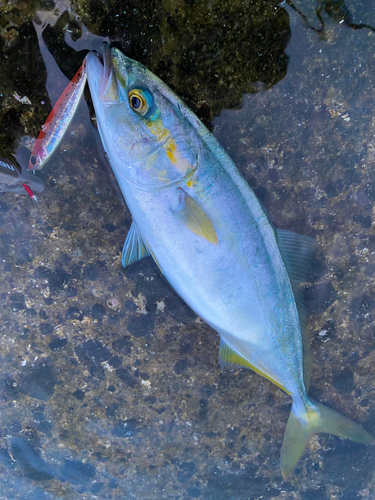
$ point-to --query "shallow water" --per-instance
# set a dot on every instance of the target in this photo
(110, 386)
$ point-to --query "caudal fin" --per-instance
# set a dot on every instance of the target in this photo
(316, 418)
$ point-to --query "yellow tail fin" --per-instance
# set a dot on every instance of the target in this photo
(316, 418)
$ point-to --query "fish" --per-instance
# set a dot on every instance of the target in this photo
(58, 121)
(197, 217)
(13, 179)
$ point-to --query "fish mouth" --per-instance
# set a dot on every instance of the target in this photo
(109, 86)
(107, 61)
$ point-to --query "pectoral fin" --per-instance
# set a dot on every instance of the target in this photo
(195, 218)
(134, 247)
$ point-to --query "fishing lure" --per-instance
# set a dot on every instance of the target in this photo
(15, 180)
(58, 120)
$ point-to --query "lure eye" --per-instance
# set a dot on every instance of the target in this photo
(138, 102)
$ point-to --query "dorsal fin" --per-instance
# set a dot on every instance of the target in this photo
(297, 252)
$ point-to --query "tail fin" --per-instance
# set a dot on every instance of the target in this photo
(316, 418)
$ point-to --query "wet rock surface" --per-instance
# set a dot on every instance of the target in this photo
(110, 386)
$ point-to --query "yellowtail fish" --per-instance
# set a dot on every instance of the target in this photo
(58, 121)
(197, 217)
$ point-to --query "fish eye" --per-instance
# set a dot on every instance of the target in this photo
(138, 101)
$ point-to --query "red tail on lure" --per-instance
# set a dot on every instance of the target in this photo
(30, 193)
(58, 121)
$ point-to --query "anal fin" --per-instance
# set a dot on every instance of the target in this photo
(229, 358)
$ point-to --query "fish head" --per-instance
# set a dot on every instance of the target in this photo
(145, 128)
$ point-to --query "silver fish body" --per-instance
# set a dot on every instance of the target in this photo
(240, 286)
(198, 218)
